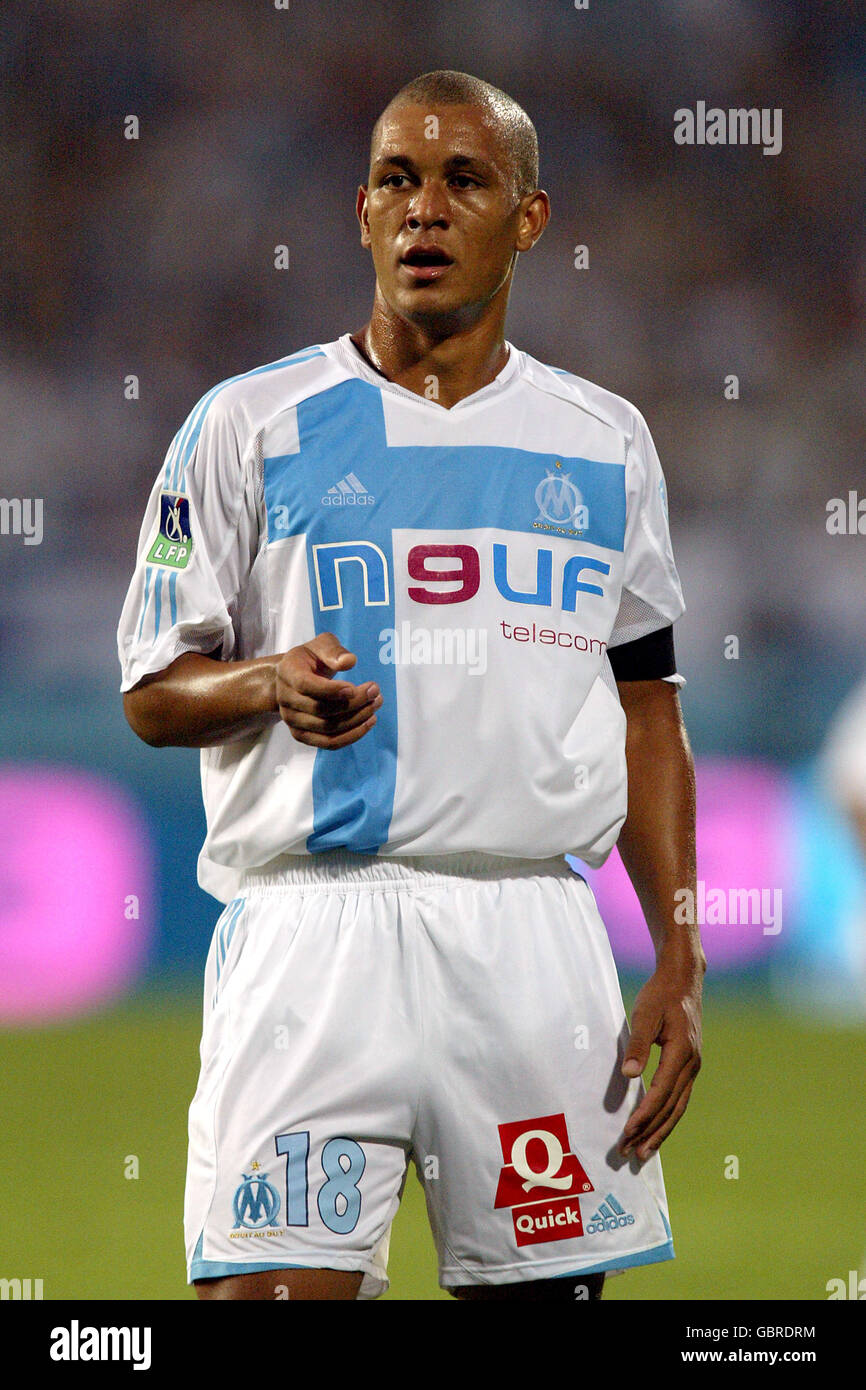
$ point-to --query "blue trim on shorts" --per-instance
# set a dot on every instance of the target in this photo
(225, 930)
(220, 1269)
(644, 1257)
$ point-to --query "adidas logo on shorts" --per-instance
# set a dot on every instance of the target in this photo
(609, 1217)
(348, 492)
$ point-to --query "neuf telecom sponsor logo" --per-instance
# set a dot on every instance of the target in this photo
(540, 1180)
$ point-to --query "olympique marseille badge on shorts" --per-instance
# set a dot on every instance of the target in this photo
(256, 1203)
(541, 1180)
(173, 544)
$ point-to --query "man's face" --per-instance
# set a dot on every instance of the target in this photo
(440, 213)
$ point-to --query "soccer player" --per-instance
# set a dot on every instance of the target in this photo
(406, 967)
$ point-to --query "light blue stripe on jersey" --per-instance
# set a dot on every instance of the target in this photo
(173, 451)
(353, 788)
(147, 578)
(187, 437)
(341, 433)
(157, 603)
(181, 450)
(433, 486)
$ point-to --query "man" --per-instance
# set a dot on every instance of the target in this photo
(406, 967)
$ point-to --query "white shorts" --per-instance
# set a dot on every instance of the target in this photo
(461, 1011)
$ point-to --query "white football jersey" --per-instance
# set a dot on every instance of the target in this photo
(479, 561)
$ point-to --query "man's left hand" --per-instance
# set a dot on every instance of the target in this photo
(667, 1011)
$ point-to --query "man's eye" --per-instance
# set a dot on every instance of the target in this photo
(393, 180)
(465, 181)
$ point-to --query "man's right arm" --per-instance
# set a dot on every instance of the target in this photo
(199, 701)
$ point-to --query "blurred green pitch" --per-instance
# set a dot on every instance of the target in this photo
(786, 1097)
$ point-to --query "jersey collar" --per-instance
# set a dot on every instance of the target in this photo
(350, 357)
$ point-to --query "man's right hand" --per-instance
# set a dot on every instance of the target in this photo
(318, 709)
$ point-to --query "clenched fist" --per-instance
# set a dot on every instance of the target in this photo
(318, 709)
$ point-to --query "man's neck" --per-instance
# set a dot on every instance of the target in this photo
(443, 369)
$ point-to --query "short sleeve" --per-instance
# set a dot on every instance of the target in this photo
(651, 595)
(196, 546)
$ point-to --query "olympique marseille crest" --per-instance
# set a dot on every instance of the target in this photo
(541, 1180)
(256, 1202)
(560, 505)
(173, 544)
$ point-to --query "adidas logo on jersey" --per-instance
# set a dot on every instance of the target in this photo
(348, 492)
(609, 1217)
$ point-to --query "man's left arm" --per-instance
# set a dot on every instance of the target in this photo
(657, 845)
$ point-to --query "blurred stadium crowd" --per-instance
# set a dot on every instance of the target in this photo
(155, 257)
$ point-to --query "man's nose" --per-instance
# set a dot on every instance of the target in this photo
(428, 207)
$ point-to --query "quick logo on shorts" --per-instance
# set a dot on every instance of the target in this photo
(540, 1166)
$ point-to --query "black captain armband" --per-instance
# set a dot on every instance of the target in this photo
(646, 658)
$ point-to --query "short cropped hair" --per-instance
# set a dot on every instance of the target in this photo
(447, 88)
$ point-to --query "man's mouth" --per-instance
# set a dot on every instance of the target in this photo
(425, 263)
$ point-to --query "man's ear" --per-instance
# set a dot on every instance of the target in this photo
(534, 219)
(361, 210)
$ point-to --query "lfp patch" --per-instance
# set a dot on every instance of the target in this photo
(173, 544)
